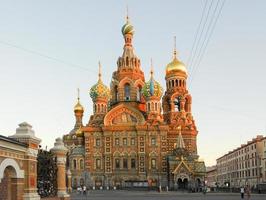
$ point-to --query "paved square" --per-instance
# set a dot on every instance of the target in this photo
(145, 195)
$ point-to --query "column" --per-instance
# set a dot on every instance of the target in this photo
(69, 181)
(59, 150)
(25, 134)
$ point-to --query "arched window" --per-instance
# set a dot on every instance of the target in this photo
(98, 163)
(180, 82)
(127, 63)
(155, 106)
(176, 82)
(102, 108)
(116, 93)
(95, 108)
(81, 164)
(127, 92)
(74, 164)
(173, 83)
(138, 93)
(149, 107)
(152, 106)
(177, 104)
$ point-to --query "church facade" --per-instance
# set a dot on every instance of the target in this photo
(138, 135)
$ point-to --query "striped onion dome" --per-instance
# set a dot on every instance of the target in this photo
(127, 28)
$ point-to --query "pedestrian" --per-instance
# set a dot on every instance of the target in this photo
(242, 191)
(248, 192)
(84, 190)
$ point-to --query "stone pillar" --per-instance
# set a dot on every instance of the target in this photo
(25, 134)
(59, 150)
(69, 181)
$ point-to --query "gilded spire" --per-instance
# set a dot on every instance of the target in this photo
(100, 71)
(174, 47)
(78, 106)
(127, 17)
(78, 93)
(151, 69)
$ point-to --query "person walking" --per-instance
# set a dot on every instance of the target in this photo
(242, 191)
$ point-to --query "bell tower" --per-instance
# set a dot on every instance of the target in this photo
(128, 80)
(177, 105)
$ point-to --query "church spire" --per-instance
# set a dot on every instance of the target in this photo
(100, 71)
(180, 142)
(174, 53)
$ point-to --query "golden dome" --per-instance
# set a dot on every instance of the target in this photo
(176, 65)
(78, 107)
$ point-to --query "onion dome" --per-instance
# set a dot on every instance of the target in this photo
(152, 88)
(78, 106)
(127, 28)
(99, 90)
(176, 65)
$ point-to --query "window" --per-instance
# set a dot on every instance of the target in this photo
(117, 163)
(81, 164)
(153, 141)
(98, 142)
(177, 104)
(133, 163)
(116, 93)
(125, 163)
(127, 92)
(98, 163)
(153, 163)
(116, 141)
(138, 93)
(132, 141)
(74, 164)
(124, 141)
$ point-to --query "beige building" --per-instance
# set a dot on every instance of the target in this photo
(244, 165)
(211, 176)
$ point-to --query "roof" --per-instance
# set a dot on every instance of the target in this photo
(13, 141)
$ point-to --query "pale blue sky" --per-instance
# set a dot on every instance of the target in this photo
(228, 90)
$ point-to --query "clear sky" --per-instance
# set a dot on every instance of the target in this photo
(228, 88)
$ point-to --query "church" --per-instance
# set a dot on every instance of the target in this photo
(138, 135)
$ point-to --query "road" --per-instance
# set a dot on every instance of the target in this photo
(145, 195)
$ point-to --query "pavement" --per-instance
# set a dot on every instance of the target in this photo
(152, 195)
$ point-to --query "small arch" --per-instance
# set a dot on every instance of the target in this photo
(127, 91)
(176, 82)
(173, 83)
(127, 62)
(156, 106)
(10, 162)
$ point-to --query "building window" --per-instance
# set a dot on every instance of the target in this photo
(132, 141)
(124, 141)
(133, 163)
(81, 164)
(125, 163)
(153, 163)
(117, 141)
(74, 164)
(177, 104)
(138, 93)
(98, 163)
(98, 142)
(153, 141)
(127, 92)
(117, 163)
(116, 93)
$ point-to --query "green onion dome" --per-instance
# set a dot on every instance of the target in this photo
(99, 90)
(127, 29)
(152, 88)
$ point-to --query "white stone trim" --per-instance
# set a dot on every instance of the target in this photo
(10, 162)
